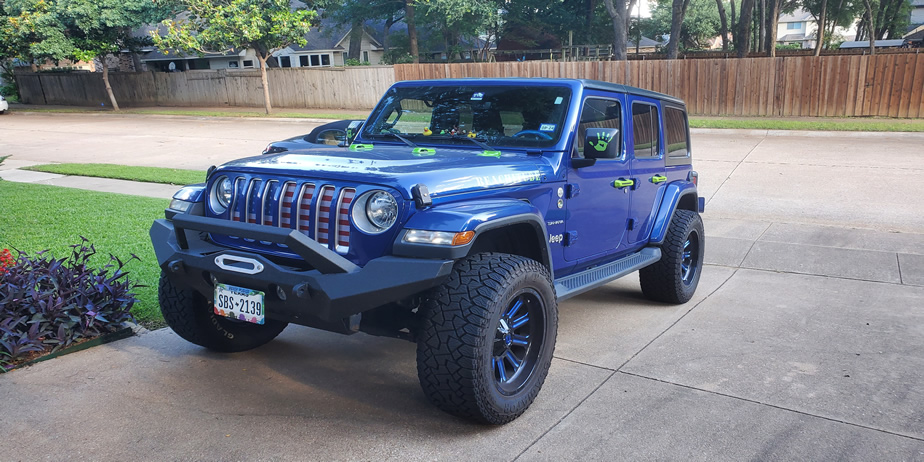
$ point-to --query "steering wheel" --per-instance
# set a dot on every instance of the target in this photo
(538, 134)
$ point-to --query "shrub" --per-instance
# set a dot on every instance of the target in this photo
(48, 303)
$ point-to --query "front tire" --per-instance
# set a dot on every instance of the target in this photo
(674, 278)
(487, 338)
(190, 315)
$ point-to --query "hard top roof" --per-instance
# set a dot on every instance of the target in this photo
(586, 83)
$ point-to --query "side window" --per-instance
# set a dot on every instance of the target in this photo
(598, 113)
(675, 132)
(645, 129)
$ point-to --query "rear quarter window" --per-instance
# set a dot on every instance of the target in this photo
(677, 136)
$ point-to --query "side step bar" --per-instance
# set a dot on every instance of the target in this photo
(574, 284)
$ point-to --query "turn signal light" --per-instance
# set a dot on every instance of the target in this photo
(463, 238)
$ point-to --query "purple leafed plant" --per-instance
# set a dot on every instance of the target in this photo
(48, 303)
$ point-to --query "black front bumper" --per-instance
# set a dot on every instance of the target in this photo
(331, 291)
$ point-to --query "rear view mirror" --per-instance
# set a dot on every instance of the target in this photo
(601, 143)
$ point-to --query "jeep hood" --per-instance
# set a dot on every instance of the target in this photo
(448, 170)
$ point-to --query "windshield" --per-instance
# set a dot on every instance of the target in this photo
(499, 116)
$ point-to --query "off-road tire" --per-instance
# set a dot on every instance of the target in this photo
(190, 315)
(664, 281)
(458, 340)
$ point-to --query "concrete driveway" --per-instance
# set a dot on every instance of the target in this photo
(804, 341)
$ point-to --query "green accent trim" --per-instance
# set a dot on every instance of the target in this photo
(658, 179)
(361, 147)
(424, 151)
(490, 153)
(623, 183)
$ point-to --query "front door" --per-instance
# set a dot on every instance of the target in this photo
(597, 210)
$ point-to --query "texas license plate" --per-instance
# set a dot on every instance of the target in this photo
(239, 303)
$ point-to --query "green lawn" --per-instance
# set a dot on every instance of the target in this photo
(853, 125)
(125, 172)
(39, 217)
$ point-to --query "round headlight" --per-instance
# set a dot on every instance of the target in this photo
(374, 212)
(222, 191)
(382, 210)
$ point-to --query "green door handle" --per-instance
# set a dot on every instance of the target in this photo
(620, 183)
(658, 179)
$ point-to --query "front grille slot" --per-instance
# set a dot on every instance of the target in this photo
(320, 211)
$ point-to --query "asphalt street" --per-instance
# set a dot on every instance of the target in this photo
(803, 342)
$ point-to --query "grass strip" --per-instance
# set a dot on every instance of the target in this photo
(40, 217)
(125, 172)
(851, 125)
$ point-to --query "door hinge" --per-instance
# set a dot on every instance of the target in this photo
(572, 190)
(570, 238)
(630, 224)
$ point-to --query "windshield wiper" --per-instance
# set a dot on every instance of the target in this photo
(395, 135)
(480, 144)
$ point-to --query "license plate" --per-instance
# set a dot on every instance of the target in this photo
(239, 303)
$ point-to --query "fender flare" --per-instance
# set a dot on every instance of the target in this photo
(477, 216)
(673, 194)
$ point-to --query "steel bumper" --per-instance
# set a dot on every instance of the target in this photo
(331, 291)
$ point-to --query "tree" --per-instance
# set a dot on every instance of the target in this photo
(220, 26)
(724, 23)
(743, 33)
(98, 28)
(30, 31)
(458, 19)
(616, 9)
(678, 10)
(701, 23)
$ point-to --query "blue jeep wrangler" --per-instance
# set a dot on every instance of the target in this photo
(458, 218)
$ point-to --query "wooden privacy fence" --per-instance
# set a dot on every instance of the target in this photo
(884, 85)
(347, 88)
(887, 85)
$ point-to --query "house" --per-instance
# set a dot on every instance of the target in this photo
(800, 27)
(329, 44)
(917, 14)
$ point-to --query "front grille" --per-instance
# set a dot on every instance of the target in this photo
(320, 211)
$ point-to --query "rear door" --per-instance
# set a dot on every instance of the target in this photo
(646, 163)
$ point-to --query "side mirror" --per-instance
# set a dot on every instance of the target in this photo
(601, 143)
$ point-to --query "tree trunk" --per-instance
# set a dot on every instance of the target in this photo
(724, 21)
(356, 40)
(617, 12)
(820, 33)
(112, 100)
(734, 23)
(266, 96)
(743, 37)
(629, 8)
(678, 10)
(762, 29)
(773, 20)
(411, 29)
(871, 27)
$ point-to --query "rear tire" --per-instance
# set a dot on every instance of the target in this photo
(190, 315)
(673, 279)
(486, 343)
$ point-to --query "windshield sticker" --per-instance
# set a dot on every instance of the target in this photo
(478, 96)
(558, 100)
(547, 128)
(355, 123)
